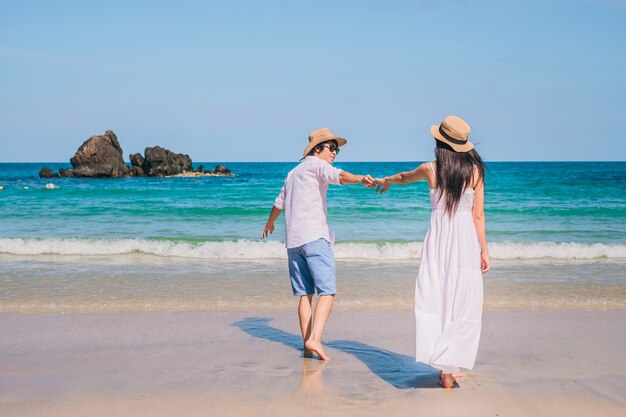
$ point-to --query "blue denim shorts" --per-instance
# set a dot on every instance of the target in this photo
(312, 268)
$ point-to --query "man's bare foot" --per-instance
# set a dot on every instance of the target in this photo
(306, 352)
(316, 348)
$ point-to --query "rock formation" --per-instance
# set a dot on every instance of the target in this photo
(160, 162)
(101, 157)
(47, 173)
(221, 170)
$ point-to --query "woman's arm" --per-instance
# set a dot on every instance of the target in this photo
(478, 212)
(406, 177)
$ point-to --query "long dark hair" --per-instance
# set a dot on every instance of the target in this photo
(455, 172)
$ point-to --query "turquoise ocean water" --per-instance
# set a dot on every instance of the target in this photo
(555, 212)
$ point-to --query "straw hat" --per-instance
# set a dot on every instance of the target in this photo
(454, 132)
(322, 135)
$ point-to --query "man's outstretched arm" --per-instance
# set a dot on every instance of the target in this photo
(347, 178)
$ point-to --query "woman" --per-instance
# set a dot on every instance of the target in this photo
(449, 289)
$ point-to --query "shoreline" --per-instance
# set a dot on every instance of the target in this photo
(125, 283)
(530, 363)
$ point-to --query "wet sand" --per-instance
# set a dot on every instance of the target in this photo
(141, 283)
(530, 363)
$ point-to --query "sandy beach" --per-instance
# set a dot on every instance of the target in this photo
(530, 363)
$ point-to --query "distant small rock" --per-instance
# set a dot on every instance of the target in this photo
(219, 171)
(66, 173)
(47, 173)
(136, 171)
(222, 170)
(137, 160)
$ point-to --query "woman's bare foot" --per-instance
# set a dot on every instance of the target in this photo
(448, 381)
(455, 375)
(315, 347)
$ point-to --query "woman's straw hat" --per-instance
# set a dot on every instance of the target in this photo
(322, 135)
(454, 132)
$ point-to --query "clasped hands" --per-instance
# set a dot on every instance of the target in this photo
(381, 184)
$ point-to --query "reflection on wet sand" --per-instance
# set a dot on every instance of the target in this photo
(311, 381)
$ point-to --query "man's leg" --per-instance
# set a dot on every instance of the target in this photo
(305, 316)
(321, 263)
(302, 286)
(322, 311)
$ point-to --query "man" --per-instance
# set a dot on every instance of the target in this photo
(308, 240)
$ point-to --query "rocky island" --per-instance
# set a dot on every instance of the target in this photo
(100, 156)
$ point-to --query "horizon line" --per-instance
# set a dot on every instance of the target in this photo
(360, 162)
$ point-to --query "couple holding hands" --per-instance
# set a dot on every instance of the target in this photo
(449, 288)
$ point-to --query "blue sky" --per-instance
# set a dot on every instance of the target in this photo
(248, 80)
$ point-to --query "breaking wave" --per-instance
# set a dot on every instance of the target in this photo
(255, 250)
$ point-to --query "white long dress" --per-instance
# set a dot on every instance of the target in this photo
(449, 288)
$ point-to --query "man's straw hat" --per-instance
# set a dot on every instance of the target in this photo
(454, 132)
(322, 135)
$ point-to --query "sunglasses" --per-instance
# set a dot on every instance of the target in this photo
(331, 147)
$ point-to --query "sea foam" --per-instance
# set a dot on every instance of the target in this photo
(256, 250)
